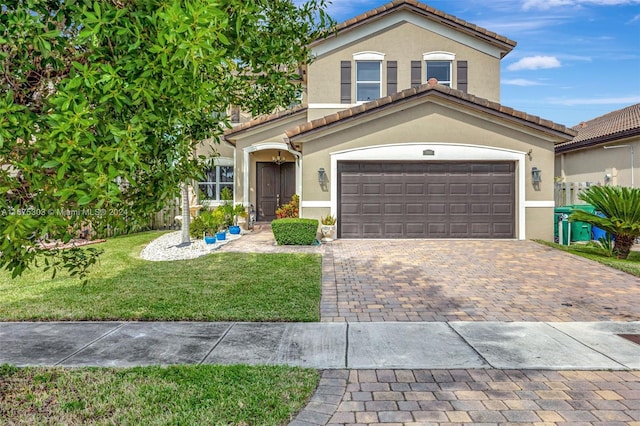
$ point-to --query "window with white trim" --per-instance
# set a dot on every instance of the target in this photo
(439, 65)
(368, 80)
(219, 174)
(368, 75)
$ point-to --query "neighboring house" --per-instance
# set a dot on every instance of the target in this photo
(603, 151)
(401, 135)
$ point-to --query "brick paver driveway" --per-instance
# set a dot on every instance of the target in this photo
(470, 280)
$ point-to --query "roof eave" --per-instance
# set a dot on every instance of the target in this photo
(574, 146)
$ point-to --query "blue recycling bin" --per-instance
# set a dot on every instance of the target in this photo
(596, 232)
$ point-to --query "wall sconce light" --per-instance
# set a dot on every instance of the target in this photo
(535, 175)
(322, 176)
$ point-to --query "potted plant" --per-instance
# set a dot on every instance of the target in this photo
(236, 212)
(327, 227)
(231, 212)
(205, 225)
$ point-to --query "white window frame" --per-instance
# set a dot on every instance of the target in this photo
(217, 163)
(368, 56)
(439, 56)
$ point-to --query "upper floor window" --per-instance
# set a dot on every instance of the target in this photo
(368, 80)
(218, 176)
(438, 65)
(368, 75)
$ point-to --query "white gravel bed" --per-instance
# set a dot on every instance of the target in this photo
(168, 247)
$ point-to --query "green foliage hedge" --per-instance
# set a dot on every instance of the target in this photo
(290, 231)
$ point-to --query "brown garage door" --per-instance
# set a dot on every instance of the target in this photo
(426, 200)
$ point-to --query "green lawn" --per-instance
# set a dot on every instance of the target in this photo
(217, 287)
(180, 395)
(630, 265)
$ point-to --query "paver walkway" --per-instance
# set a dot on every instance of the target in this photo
(489, 397)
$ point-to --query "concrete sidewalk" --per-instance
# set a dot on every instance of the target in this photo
(374, 345)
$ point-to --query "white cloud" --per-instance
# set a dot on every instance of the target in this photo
(521, 82)
(630, 100)
(549, 4)
(535, 63)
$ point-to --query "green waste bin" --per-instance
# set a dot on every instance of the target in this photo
(560, 216)
(581, 231)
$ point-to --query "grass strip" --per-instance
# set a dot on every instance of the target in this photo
(631, 265)
(176, 395)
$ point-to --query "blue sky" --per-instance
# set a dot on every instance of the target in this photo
(575, 59)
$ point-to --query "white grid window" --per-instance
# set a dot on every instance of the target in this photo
(217, 178)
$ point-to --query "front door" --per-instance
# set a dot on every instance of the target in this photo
(276, 185)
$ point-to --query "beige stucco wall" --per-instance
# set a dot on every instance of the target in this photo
(403, 43)
(599, 165)
(436, 123)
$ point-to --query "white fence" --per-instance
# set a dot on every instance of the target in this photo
(566, 193)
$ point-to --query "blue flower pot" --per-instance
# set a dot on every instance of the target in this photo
(209, 239)
(234, 229)
(221, 236)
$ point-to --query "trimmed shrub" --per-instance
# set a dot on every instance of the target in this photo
(295, 231)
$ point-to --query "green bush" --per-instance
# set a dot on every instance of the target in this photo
(295, 231)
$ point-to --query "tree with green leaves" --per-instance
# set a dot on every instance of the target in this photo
(102, 104)
(620, 209)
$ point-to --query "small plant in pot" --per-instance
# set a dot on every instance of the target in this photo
(231, 213)
(327, 227)
(205, 225)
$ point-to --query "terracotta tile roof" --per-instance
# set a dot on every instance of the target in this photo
(615, 125)
(430, 13)
(264, 119)
(429, 90)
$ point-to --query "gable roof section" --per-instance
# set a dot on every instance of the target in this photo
(264, 119)
(610, 127)
(428, 12)
(439, 91)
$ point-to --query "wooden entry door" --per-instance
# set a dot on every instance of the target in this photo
(276, 185)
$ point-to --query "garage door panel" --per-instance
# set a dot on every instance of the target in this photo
(458, 209)
(436, 189)
(369, 209)
(437, 209)
(417, 229)
(392, 230)
(350, 189)
(459, 230)
(480, 188)
(480, 209)
(351, 209)
(393, 208)
(372, 189)
(372, 230)
(415, 189)
(393, 189)
(502, 189)
(426, 200)
(437, 230)
(415, 209)
(459, 189)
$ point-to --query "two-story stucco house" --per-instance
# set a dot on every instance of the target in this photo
(401, 134)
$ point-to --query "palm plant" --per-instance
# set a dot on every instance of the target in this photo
(620, 207)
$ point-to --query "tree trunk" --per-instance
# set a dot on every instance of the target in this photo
(186, 214)
(622, 246)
